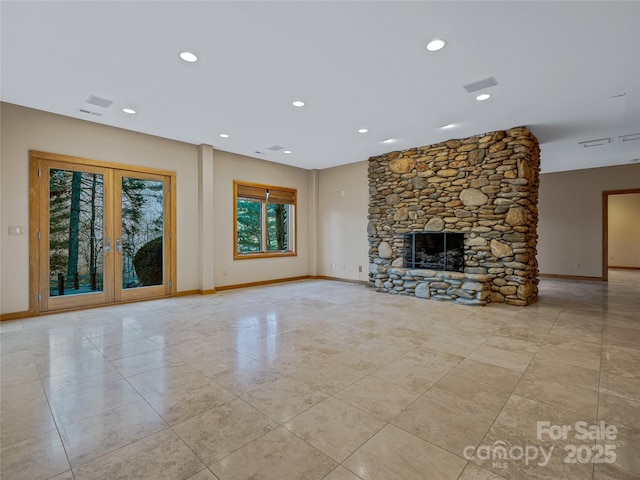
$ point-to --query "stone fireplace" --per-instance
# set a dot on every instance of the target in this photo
(481, 192)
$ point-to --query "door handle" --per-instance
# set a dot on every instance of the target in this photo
(107, 245)
(118, 245)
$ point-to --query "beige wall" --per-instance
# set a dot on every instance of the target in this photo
(624, 230)
(228, 167)
(343, 206)
(24, 129)
(570, 217)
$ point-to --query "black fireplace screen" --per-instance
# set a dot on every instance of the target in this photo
(434, 251)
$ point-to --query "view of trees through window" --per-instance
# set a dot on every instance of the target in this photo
(76, 232)
(142, 232)
(76, 216)
(264, 219)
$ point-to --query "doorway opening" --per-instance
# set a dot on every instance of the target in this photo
(624, 223)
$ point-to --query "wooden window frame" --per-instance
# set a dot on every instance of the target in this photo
(290, 193)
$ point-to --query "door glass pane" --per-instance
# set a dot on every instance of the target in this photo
(142, 232)
(76, 216)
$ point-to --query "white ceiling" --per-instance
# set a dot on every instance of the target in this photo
(355, 64)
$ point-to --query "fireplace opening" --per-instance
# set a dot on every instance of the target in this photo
(434, 251)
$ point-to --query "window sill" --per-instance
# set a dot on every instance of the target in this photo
(246, 256)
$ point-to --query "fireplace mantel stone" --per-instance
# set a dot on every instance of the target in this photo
(484, 186)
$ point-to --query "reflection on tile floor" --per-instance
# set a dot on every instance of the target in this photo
(326, 380)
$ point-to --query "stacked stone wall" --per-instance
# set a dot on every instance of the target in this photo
(484, 186)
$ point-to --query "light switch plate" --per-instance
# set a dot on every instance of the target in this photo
(16, 230)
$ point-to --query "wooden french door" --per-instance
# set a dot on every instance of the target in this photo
(100, 233)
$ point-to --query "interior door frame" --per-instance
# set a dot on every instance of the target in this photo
(36, 216)
(605, 227)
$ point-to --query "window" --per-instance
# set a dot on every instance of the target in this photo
(264, 220)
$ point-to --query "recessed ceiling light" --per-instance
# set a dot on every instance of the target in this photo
(448, 125)
(388, 140)
(483, 96)
(363, 130)
(286, 151)
(297, 103)
(130, 111)
(188, 57)
(224, 135)
(435, 45)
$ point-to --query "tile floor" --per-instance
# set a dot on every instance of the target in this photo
(325, 380)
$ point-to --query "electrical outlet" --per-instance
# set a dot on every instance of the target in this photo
(333, 266)
(360, 268)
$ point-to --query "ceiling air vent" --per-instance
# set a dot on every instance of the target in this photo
(99, 101)
(481, 85)
(89, 112)
(630, 137)
(275, 148)
(595, 143)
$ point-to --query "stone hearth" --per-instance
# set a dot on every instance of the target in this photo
(484, 186)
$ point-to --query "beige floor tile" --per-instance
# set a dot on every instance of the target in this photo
(619, 411)
(625, 444)
(523, 414)
(620, 386)
(21, 423)
(23, 395)
(621, 361)
(453, 344)
(63, 476)
(500, 378)
(565, 373)
(419, 369)
(283, 399)
(369, 349)
(39, 457)
(329, 376)
(160, 455)
(556, 394)
(128, 349)
(572, 357)
(277, 455)
(476, 398)
(143, 362)
(180, 402)
(442, 424)
(223, 429)
(334, 428)
(518, 361)
(608, 471)
(341, 473)
(621, 337)
(203, 475)
(101, 434)
(473, 472)
(92, 401)
(377, 397)
(246, 376)
(91, 361)
(393, 454)
(513, 344)
(516, 467)
(20, 374)
(79, 380)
